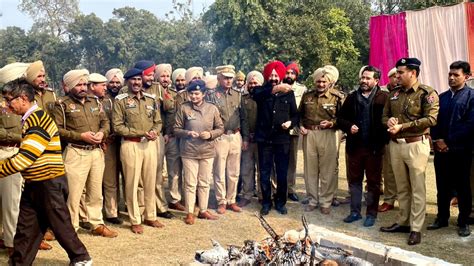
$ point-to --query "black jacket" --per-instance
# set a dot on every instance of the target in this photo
(272, 111)
(347, 117)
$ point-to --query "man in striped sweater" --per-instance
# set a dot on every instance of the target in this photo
(43, 201)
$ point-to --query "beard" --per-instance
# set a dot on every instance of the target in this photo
(273, 82)
(180, 87)
(289, 81)
(365, 87)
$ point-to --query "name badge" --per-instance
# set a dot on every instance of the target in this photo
(328, 106)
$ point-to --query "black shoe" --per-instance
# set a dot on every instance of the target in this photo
(396, 228)
(437, 224)
(265, 210)
(293, 197)
(166, 215)
(282, 210)
(463, 230)
(352, 217)
(414, 238)
(85, 225)
(114, 220)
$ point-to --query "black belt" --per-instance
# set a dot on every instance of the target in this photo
(84, 147)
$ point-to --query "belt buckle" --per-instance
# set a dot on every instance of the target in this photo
(143, 139)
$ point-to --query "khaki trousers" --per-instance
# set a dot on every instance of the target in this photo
(389, 184)
(320, 150)
(409, 161)
(174, 167)
(10, 194)
(227, 167)
(111, 179)
(161, 203)
(248, 169)
(197, 178)
(139, 162)
(85, 170)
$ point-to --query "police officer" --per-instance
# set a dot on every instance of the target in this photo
(83, 124)
(190, 74)
(36, 77)
(173, 160)
(198, 124)
(112, 168)
(318, 112)
(137, 119)
(410, 111)
(229, 146)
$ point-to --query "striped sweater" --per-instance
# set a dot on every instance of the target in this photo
(39, 157)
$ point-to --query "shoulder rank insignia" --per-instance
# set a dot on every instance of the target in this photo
(149, 95)
(121, 96)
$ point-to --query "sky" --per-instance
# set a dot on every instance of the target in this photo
(11, 16)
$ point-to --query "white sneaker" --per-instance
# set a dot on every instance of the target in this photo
(82, 263)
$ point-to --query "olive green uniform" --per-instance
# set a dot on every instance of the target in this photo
(84, 162)
(45, 98)
(132, 118)
(320, 146)
(416, 109)
(10, 186)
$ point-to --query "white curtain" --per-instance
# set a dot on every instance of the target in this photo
(437, 36)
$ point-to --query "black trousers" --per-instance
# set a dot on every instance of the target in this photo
(269, 155)
(453, 170)
(360, 161)
(43, 205)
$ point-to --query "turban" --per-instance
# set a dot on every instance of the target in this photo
(72, 78)
(180, 72)
(197, 85)
(12, 72)
(257, 75)
(226, 71)
(276, 65)
(240, 75)
(332, 73)
(193, 72)
(146, 66)
(293, 66)
(114, 72)
(392, 72)
(132, 72)
(33, 70)
(211, 81)
(97, 78)
(159, 69)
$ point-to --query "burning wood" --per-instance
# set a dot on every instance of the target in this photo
(290, 249)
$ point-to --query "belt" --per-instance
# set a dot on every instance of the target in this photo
(84, 147)
(8, 144)
(229, 132)
(314, 127)
(135, 139)
(408, 139)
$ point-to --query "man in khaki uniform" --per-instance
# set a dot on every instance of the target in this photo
(318, 112)
(389, 184)
(84, 126)
(10, 137)
(36, 76)
(137, 119)
(192, 73)
(291, 76)
(112, 152)
(249, 158)
(229, 146)
(169, 107)
(411, 110)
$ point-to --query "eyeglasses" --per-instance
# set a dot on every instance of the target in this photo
(9, 101)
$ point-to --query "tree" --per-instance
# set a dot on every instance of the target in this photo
(50, 16)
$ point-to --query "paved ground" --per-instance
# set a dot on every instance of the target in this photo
(177, 242)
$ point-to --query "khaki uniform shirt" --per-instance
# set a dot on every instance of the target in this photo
(168, 108)
(416, 109)
(73, 118)
(133, 117)
(234, 117)
(45, 99)
(315, 108)
(190, 117)
(182, 97)
(10, 125)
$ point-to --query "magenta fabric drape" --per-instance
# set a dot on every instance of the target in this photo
(388, 42)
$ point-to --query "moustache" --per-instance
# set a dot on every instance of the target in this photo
(289, 81)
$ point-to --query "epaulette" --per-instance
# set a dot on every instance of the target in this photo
(49, 89)
(121, 96)
(236, 89)
(426, 88)
(337, 93)
(149, 95)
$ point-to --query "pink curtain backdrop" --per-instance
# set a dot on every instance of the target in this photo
(470, 31)
(388, 42)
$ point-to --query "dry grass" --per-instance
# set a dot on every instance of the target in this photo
(177, 242)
